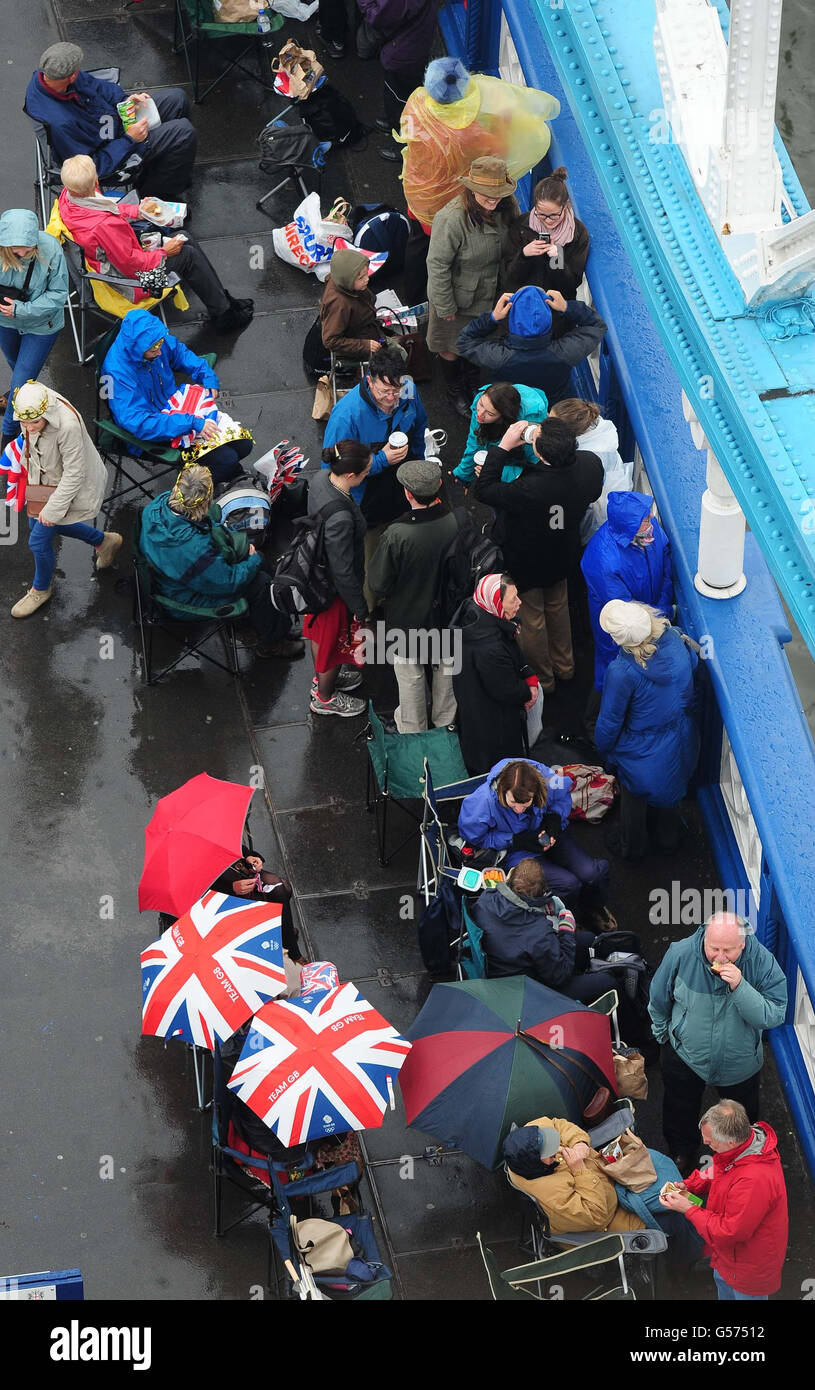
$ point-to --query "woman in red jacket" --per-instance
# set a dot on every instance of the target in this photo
(101, 226)
(744, 1221)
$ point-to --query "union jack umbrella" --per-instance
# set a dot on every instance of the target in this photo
(212, 969)
(321, 1064)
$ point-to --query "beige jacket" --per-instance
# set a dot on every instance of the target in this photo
(583, 1201)
(63, 454)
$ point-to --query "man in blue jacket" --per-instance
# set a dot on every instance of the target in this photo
(80, 113)
(529, 353)
(711, 999)
(627, 558)
(385, 402)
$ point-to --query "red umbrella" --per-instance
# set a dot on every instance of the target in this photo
(196, 832)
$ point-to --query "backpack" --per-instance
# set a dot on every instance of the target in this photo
(302, 581)
(438, 926)
(285, 144)
(634, 974)
(332, 117)
(379, 227)
(468, 557)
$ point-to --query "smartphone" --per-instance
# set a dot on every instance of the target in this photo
(545, 839)
(544, 236)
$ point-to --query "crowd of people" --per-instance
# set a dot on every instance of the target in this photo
(508, 322)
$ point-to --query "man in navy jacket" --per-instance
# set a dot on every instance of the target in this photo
(80, 113)
(529, 353)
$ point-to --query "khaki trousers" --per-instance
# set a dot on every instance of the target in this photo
(546, 633)
(411, 713)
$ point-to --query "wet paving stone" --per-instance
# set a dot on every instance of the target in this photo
(443, 1204)
(369, 934)
(336, 852)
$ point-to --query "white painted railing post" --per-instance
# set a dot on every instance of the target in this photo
(720, 572)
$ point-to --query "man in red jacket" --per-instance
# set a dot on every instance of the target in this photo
(744, 1220)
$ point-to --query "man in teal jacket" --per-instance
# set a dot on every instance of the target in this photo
(711, 999)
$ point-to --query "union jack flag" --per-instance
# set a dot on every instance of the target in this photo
(377, 258)
(318, 1065)
(11, 463)
(318, 974)
(191, 400)
(212, 969)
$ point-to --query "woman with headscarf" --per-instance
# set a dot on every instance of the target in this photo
(495, 687)
(548, 246)
(646, 728)
(195, 561)
(57, 452)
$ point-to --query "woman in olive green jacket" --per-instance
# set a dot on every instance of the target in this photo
(469, 239)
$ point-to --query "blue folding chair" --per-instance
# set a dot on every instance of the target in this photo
(471, 963)
(297, 1280)
(434, 853)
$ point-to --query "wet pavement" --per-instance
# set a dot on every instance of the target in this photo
(105, 1156)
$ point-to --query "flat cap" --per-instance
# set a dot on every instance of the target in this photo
(422, 477)
(60, 60)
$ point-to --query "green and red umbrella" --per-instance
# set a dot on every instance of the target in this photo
(489, 1052)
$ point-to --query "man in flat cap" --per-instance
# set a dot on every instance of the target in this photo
(80, 112)
(404, 572)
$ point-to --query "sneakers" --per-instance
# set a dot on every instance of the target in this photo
(231, 319)
(348, 679)
(340, 703)
(111, 544)
(286, 650)
(30, 602)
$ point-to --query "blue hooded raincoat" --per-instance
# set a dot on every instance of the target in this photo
(44, 310)
(139, 390)
(646, 729)
(484, 822)
(617, 568)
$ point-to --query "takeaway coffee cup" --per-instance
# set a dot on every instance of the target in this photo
(480, 457)
(530, 434)
(398, 440)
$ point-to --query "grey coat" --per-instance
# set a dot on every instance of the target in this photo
(63, 455)
(344, 541)
(464, 262)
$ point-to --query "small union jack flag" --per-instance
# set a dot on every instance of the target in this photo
(318, 974)
(212, 969)
(321, 1064)
(11, 463)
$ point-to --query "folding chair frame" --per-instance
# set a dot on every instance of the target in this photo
(146, 609)
(189, 32)
(81, 301)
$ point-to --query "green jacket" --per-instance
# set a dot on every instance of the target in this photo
(405, 566)
(464, 261)
(717, 1030)
(193, 562)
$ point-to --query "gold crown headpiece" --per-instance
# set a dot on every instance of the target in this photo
(32, 412)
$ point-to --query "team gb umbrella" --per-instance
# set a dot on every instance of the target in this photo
(212, 969)
(489, 1052)
(320, 1064)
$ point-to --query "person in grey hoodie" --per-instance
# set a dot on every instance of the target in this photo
(33, 291)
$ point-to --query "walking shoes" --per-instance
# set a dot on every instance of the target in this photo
(111, 544)
(31, 602)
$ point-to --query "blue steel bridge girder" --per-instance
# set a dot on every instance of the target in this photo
(750, 376)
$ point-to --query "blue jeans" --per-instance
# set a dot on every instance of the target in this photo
(41, 545)
(726, 1291)
(25, 354)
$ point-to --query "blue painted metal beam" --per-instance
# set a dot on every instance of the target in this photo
(727, 359)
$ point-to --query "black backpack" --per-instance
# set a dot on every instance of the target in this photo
(302, 581)
(332, 117)
(634, 978)
(438, 927)
(468, 557)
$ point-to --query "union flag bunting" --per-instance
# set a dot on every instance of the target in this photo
(321, 1064)
(212, 969)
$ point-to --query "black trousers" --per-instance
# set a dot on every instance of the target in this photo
(168, 153)
(225, 461)
(682, 1101)
(397, 89)
(333, 20)
(194, 268)
(264, 618)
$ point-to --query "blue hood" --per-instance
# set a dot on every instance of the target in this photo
(19, 227)
(626, 513)
(139, 331)
(529, 314)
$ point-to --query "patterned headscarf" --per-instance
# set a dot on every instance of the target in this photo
(488, 595)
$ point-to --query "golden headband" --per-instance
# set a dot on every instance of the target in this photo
(31, 412)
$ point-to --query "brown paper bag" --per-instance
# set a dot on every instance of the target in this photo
(323, 399)
(629, 1072)
(635, 1169)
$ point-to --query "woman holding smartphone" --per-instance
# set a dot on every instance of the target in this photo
(548, 246)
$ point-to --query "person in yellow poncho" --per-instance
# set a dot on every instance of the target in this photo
(457, 117)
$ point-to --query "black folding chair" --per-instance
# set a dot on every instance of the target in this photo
(196, 26)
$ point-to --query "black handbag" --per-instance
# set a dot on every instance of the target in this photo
(11, 291)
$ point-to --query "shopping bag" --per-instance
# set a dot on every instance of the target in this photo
(593, 790)
(323, 399)
(629, 1073)
(629, 1162)
(301, 67)
(298, 243)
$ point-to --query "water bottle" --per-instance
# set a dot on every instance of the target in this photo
(264, 22)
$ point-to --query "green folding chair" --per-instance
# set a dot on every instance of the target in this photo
(196, 25)
(396, 774)
(592, 1254)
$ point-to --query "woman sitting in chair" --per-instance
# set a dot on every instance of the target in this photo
(523, 807)
(247, 878)
(137, 376)
(101, 226)
(182, 544)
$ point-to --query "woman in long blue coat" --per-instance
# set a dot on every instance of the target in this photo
(647, 730)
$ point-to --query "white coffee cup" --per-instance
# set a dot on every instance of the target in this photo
(531, 434)
(398, 440)
(479, 457)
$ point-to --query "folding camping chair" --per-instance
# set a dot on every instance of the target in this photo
(196, 25)
(47, 180)
(397, 769)
(302, 154)
(299, 1281)
(471, 963)
(115, 444)
(595, 1252)
(434, 852)
(186, 624)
